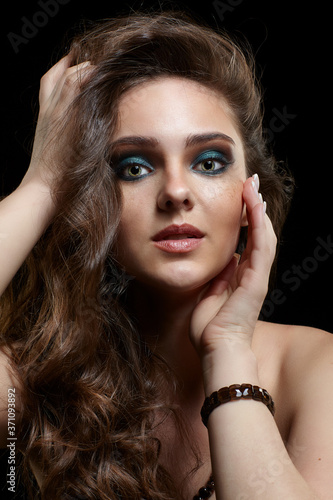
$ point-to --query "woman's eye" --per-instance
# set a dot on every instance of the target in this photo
(135, 170)
(211, 163)
(208, 165)
(131, 169)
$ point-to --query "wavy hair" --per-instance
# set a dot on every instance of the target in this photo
(91, 389)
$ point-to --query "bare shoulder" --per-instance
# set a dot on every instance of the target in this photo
(294, 345)
(304, 358)
(298, 357)
(306, 351)
(307, 360)
(9, 397)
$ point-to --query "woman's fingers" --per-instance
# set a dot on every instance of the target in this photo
(261, 244)
(51, 78)
(60, 85)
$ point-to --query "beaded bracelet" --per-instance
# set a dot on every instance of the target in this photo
(235, 392)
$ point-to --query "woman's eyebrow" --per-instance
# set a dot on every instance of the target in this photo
(191, 140)
(136, 140)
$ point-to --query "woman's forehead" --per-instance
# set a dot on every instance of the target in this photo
(174, 107)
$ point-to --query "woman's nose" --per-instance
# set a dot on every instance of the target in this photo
(175, 192)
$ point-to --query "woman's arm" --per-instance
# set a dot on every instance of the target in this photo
(27, 212)
(24, 216)
(249, 458)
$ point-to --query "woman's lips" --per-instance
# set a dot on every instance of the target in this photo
(178, 239)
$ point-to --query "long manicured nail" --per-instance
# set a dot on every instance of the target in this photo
(264, 207)
(256, 181)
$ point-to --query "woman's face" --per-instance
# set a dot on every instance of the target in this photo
(180, 162)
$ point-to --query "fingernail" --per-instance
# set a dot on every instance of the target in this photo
(264, 207)
(260, 198)
(256, 181)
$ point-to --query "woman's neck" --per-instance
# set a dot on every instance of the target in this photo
(164, 322)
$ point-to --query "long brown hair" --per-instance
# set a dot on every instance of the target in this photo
(91, 388)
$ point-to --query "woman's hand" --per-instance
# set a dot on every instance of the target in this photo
(58, 88)
(227, 314)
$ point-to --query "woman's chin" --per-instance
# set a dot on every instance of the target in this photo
(178, 280)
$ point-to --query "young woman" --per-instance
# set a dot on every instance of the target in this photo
(135, 257)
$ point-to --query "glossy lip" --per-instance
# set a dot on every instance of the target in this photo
(192, 238)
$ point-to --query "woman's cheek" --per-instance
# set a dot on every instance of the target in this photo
(228, 198)
(213, 192)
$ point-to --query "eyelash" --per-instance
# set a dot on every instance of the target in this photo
(138, 161)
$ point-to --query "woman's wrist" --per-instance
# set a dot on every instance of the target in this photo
(37, 195)
(34, 180)
(231, 365)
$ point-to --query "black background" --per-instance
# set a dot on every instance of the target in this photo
(291, 43)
